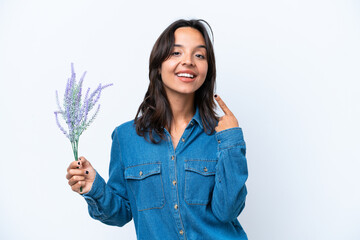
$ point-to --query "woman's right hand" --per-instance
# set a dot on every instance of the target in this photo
(81, 174)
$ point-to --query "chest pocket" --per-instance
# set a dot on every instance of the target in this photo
(199, 181)
(146, 184)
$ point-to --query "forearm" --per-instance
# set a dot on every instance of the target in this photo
(107, 206)
(231, 174)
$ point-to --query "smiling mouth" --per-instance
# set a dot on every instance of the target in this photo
(186, 75)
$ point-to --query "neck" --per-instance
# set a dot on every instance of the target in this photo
(182, 109)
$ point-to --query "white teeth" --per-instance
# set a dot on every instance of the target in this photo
(185, 75)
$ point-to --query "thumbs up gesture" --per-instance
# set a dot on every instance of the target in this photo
(228, 120)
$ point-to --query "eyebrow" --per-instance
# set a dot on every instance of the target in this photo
(199, 46)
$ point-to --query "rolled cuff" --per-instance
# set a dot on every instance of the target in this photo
(230, 138)
(97, 189)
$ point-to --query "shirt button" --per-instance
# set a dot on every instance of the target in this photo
(191, 123)
(219, 141)
(174, 182)
(205, 169)
(140, 173)
(176, 206)
(181, 232)
(172, 157)
(183, 139)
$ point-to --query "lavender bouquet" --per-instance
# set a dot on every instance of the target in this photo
(75, 112)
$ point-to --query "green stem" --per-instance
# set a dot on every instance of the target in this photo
(74, 146)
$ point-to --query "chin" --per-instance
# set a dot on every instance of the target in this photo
(187, 91)
(182, 90)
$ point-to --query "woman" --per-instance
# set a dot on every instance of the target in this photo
(177, 168)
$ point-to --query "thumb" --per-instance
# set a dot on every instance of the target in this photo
(84, 162)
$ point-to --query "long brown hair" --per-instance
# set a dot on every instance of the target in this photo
(155, 109)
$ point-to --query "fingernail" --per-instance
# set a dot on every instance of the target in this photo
(215, 95)
(78, 163)
(87, 172)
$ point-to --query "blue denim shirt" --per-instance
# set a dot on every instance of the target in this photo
(193, 192)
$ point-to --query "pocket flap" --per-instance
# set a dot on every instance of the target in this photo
(142, 171)
(203, 167)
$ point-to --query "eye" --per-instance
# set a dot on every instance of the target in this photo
(175, 54)
(200, 56)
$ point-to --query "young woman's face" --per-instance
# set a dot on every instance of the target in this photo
(185, 70)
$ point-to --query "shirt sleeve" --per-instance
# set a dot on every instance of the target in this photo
(228, 199)
(108, 202)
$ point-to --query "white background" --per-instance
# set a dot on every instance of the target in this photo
(289, 70)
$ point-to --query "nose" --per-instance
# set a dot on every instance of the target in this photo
(187, 60)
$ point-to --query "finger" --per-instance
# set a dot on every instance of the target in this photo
(76, 179)
(84, 162)
(222, 105)
(74, 164)
(73, 172)
(76, 187)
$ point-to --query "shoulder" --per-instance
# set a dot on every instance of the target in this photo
(129, 125)
(124, 129)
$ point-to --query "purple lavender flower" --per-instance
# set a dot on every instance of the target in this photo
(75, 112)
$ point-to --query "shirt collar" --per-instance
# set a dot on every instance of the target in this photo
(197, 118)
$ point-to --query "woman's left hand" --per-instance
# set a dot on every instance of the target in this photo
(228, 120)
